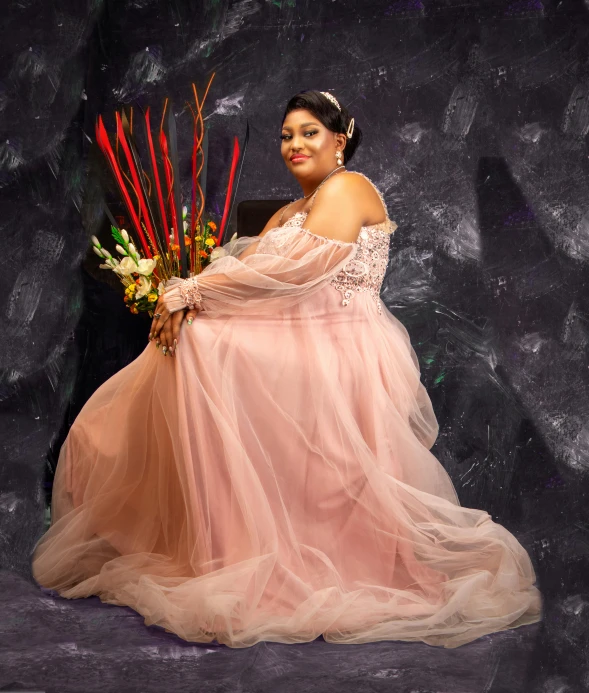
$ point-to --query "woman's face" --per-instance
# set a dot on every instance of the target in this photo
(303, 134)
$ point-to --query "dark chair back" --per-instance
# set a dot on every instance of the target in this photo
(253, 215)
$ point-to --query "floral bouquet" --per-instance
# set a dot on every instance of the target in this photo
(143, 286)
(174, 241)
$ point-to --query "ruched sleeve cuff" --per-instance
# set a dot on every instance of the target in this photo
(182, 293)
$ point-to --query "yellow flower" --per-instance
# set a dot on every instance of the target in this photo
(210, 241)
(152, 297)
(133, 309)
(198, 238)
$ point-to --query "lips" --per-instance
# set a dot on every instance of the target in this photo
(298, 157)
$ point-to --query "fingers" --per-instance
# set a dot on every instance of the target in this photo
(165, 331)
(190, 315)
(167, 339)
(172, 330)
(159, 317)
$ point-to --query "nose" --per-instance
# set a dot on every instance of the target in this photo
(296, 144)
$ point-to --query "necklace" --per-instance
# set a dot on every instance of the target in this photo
(323, 181)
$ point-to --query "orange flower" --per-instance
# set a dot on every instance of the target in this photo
(174, 247)
(213, 225)
(203, 253)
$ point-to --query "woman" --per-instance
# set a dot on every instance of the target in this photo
(273, 479)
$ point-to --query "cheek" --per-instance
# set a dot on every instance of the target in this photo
(320, 145)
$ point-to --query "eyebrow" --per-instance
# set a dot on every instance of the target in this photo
(286, 127)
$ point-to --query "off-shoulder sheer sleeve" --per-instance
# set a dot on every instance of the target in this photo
(289, 264)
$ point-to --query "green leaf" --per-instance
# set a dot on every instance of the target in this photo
(116, 234)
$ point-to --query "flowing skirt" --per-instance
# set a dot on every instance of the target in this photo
(274, 482)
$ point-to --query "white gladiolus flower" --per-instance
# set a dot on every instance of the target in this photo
(144, 287)
(120, 249)
(106, 253)
(132, 249)
(184, 212)
(125, 235)
(218, 252)
(96, 242)
(185, 226)
(145, 266)
(97, 251)
(127, 266)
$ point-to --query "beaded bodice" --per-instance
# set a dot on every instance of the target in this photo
(366, 270)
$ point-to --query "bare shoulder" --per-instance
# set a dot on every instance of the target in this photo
(344, 204)
(369, 197)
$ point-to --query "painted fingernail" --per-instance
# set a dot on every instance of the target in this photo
(157, 345)
(190, 321)
(165, 350)
(175, 344)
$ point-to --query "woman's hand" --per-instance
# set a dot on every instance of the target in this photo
(165, 326)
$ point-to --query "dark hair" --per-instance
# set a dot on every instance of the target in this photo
(328, 114)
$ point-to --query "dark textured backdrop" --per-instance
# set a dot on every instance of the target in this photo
(475, 116)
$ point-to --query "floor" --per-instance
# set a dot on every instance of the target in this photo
(83, 646)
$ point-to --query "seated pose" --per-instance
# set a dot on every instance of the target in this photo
(262, 471)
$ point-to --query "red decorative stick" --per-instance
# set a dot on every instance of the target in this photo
(135, 177)
(168, 172)
(156, 175)
(229, 189)
(104, 144)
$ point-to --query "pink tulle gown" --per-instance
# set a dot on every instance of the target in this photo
(273, 480)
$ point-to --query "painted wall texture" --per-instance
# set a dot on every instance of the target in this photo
(475, 118)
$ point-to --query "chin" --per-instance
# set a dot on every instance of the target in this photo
(302, 169)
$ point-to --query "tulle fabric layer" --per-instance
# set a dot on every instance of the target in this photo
(288, 266)
(274, 482)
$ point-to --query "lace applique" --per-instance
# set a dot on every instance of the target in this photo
(274, 240)
(366, 270)
(190, 293)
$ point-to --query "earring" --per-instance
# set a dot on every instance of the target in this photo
(338, 158)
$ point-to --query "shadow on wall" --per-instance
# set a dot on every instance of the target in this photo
(535, 298)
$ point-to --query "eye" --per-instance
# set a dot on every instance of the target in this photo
(309, 132)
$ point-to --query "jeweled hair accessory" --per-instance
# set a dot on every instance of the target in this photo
(334, 101)
(332, 98)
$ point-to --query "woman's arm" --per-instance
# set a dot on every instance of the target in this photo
(249, 246)
(276, 272)
(338, 211)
